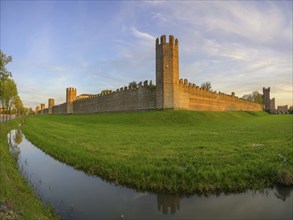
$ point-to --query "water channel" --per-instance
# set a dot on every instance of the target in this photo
(76, 195)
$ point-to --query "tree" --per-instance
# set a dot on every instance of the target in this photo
(255, 96)
(206, 86)
(4, 60)
(132, 84)
(291, 109)
(105, 91)
(8, 92)
(17, 103)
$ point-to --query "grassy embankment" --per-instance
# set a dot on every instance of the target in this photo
(17, 200)
(173, 151)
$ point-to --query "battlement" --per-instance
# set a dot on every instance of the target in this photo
(70, 89)
(170, 92)
(162, 40)
(193, 89)
(70, 94)
(266, 89)
(145, 84)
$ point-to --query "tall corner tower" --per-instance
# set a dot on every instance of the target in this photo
(70, 98)
(167, 72)
(266, 98)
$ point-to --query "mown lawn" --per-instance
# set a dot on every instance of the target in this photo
(17, 200)
(172, 151)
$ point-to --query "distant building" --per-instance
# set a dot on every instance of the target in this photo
(83, 96)
(283, 109)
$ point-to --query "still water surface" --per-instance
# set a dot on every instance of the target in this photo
(76, 195)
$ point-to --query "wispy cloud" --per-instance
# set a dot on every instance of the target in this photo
(159, 17)
(142, 35)
(237, 45)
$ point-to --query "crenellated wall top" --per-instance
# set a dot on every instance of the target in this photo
(145, 84)
(193, 89)
(162, 40)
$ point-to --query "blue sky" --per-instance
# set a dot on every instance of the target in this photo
(238, 46)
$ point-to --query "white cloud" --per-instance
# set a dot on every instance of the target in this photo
(142, 35)
(237, 45)
(263, 23)
(159, 17)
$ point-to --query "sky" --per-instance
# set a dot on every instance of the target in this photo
(239, 46)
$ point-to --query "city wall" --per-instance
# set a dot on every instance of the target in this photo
(59, 109)
(141, 98)
(192, 97)
(169, 92)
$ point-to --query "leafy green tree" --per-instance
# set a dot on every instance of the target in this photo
(151, 86)
(17, 103)
(291, 109)
(8, 93)
(29, 111)
(255, 96)
(132, 84)
(4, 60)
(206, 86)
(105, 91)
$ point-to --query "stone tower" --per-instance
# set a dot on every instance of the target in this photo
(42, 107)
(269, 104)
(37, 109)
(272, 106)
(70, 98)
(167, 73)
(266, 99)
(50, 105)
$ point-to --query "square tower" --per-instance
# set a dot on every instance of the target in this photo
(167, 72)
(266, 99)
(70, 98)
(50, 105)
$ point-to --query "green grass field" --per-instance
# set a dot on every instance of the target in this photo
(15, 195)
(172, 151)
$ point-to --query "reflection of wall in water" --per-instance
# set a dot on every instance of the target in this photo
(282, 192)
(166, 201)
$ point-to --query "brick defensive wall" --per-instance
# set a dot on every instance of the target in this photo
(170, 92)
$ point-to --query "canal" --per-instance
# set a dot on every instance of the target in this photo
(76, 195)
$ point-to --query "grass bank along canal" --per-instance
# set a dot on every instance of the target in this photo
(76, 195)
(172, 151)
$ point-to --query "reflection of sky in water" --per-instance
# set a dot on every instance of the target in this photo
(78, 196)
